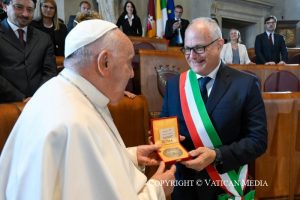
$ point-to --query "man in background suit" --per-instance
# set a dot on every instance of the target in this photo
(84, 7)
(2, 12)
(232, 102)
(175, 28)
(27, 56)
(270, 48)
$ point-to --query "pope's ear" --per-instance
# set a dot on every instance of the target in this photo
(102, 62)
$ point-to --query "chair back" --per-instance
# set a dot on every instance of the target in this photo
(281, 81)
(131, 117)
(133, 83)
(142, 45)
(255, 75)
(9, 113)
(295, 59)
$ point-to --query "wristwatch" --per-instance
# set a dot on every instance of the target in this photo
(218, 160)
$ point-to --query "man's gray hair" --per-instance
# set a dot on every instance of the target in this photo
(213, 27)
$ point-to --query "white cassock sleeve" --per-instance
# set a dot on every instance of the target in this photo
(74, 163)
(152, 187)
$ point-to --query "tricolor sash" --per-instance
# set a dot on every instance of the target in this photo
(204, 134)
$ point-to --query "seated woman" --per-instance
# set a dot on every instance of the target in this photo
(129, 21)
(234, 52)
(49, 23)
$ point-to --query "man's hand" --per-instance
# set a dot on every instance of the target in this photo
(146, 154)
(203, 157)
(281, 63)
(129, 94)
(270, 63)
(176, 25)
(166, 177)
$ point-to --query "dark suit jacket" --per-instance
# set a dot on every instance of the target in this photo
(265, 52)
(171, 35)
(57, 36)
(70, 25)
(24, 69)
(236, 109)
(134, 30)
(3, 14)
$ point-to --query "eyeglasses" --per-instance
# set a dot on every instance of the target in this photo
(270, 23)
(48, 7)
(198, 49)
(20, 8)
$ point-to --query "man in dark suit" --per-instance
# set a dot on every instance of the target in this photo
(84, 7)
(175, 28)
(2, 12)
(224, 122)
(270, 48)
(27, 56)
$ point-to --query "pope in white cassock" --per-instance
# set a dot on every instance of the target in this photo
(65, 144)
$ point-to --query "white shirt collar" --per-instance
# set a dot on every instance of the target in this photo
(126, 17)
(92, 93)
(212, 74)
(15, 28)
(268, 33)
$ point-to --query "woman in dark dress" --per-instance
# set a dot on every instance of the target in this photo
(50, 24)
(129, 21)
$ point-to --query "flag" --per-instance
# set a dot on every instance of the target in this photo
(159, 22)
(164, 14)
(170, 9)
(151, 19)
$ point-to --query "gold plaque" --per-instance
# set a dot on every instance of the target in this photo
(165, 132)
(289, 35)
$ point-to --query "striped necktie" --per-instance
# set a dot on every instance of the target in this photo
(21, 37)
(202, 84)
(270, 39)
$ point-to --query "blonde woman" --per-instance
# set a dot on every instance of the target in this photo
(234, 52)
(49, 23)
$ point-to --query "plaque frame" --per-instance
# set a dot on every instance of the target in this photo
(165, 131)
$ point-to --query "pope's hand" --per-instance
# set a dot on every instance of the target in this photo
(165, 177)
(146, 154)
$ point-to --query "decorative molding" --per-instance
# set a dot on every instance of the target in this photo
(261, 2)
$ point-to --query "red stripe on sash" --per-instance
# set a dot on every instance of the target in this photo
(213, 173)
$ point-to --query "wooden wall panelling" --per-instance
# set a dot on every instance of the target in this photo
(160, 44)
(149, 59)
(291, 52)
(278, 166)
(263, 71)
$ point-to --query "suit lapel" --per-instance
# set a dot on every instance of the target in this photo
(275, 40)
(32, 39)
(220, 87)
(10, 36)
